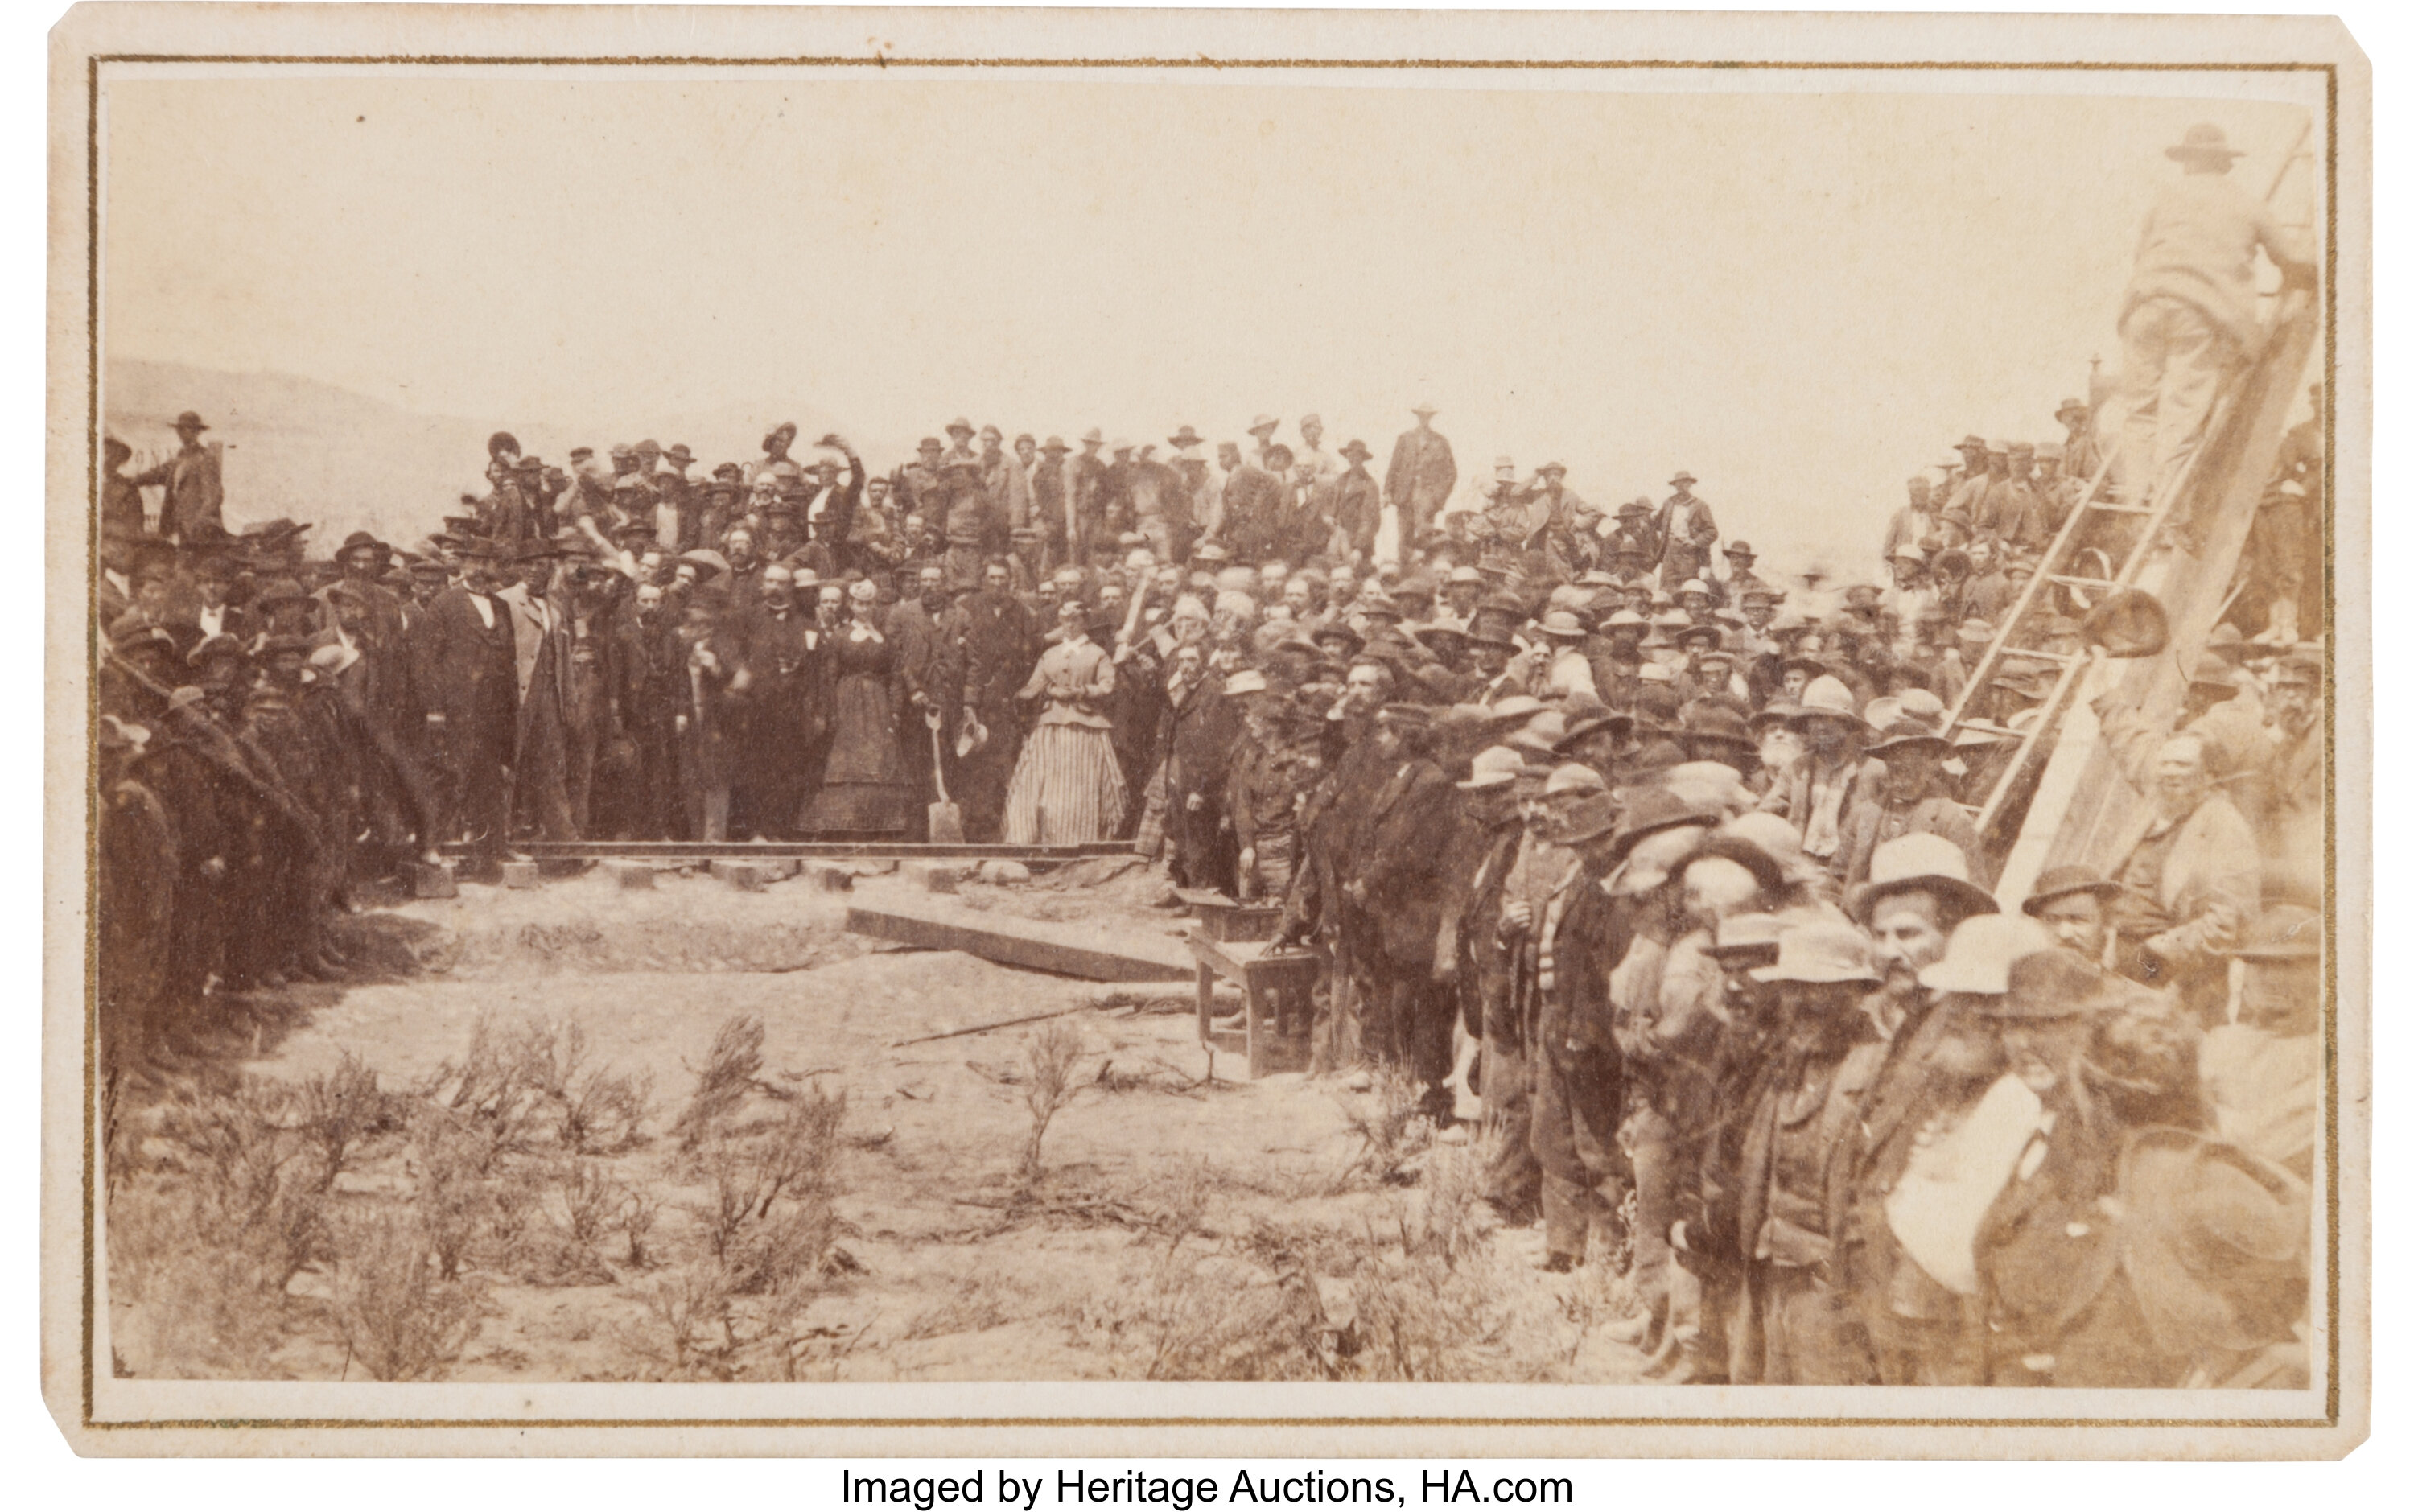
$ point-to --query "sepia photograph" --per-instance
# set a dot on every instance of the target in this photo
(836, 717)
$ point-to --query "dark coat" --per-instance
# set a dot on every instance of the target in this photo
(1401, 858)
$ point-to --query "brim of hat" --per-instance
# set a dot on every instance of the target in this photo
(1497, 779)
(2106, 890)
(1937, 978)
(1778, 974)
(1969, 895)
(1880, 747)
(2272, 952)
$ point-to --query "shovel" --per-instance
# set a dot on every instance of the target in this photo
(946, 820)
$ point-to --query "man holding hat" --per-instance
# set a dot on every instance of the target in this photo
(2189, 315)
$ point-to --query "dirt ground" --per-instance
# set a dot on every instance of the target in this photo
(1174, 1224)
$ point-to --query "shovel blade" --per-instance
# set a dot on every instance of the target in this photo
(947, 824)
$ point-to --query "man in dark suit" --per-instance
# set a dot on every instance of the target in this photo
(1398, 883)
(1422, 474)
(195, 493)
(1001, 646)
(463, 662)
(1200, 728)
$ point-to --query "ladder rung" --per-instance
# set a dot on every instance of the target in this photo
(1986, 727)
(2080, 582)
(2058, 658)
(2103, 508)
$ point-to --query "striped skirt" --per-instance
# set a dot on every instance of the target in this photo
(1068, 788)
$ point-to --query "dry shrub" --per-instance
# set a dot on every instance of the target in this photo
(692, 1334)
(1390, 1133)
(337, 1110)
(1192, 1316)
(767, 1216)
(505, 1084)
(1048, 1085)
(400, 1318)
(452, 1156)
(605, 1113)
(526, 1085)
(636, 1217)
(731, 1068)
(592, 1199)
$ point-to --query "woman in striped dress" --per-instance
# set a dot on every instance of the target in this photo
(1068, 787)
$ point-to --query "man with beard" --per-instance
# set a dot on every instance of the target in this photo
(1199, 727)
(1000, 649)
(648, 661)
(709, 665)
(1501, 811)
(929, 635)
(1918, 898)
(463, 666)
(1331, 826)
(785, 715)
(1801, 1110)
(2193, 877)
(1398, 885)
(1912, 799)
(1823, 792)
(540, 776)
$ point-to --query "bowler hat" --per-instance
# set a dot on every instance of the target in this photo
(1356, 451)
(2203, 142)
(189, 421)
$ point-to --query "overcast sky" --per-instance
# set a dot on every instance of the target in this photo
(1801, 297)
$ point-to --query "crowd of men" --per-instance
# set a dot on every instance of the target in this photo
(1673, 862)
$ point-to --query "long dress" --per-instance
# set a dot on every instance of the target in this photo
(865, 788)
(1068, 787)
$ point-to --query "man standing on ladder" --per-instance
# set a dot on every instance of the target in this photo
(2188, 317)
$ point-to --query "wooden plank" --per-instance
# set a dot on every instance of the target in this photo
(1089, 951)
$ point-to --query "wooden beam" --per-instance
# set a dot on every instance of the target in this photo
(1093, 951)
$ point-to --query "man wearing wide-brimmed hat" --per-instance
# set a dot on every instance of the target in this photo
(2189, 314)
(1821, 794)
(196, 495)
(1686, 532)
(1423, 473)
(1810, 1334)
(1913, 800)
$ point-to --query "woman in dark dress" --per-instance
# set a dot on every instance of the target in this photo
(864, 787)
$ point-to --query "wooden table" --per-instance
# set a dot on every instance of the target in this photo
(1275, 1008)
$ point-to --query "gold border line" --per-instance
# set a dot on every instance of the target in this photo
(2329, 720)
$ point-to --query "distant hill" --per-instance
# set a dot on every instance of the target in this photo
(305, 450)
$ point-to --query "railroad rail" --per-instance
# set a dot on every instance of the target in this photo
(676, 850)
